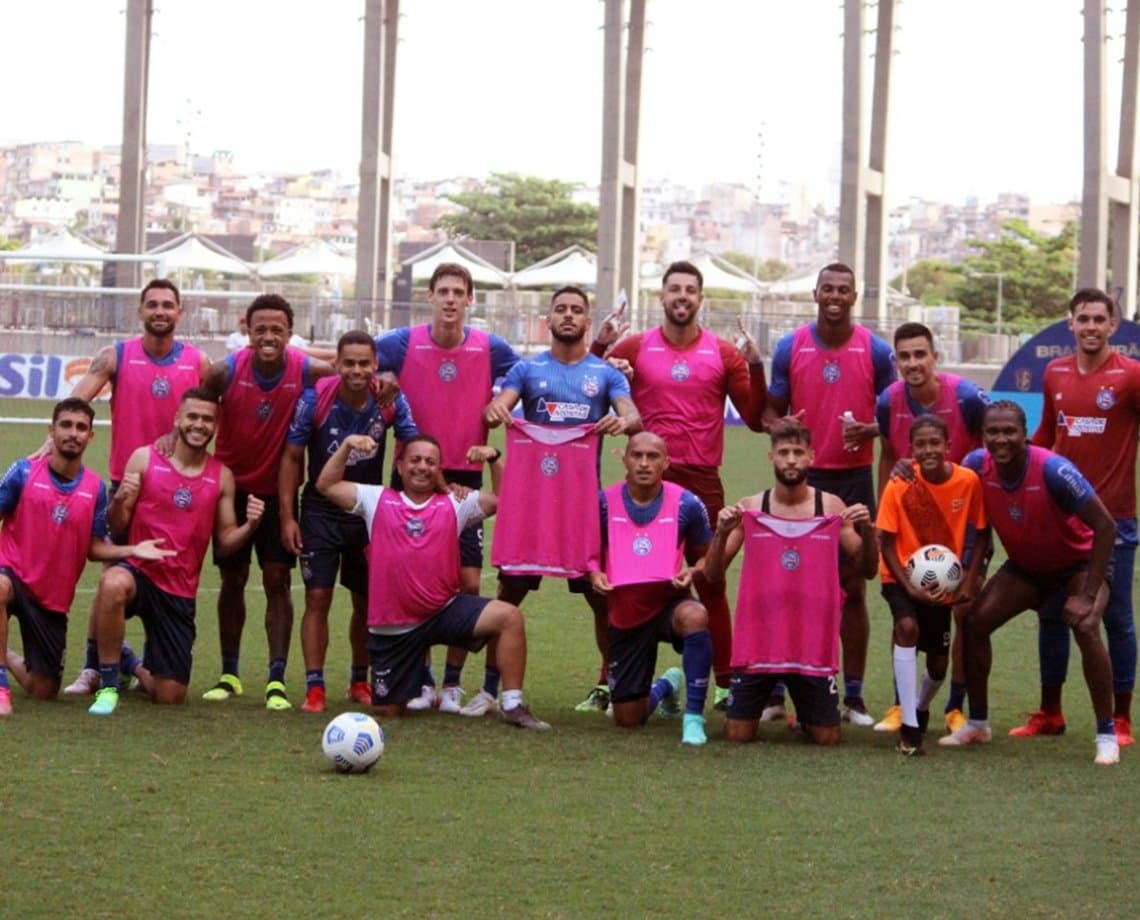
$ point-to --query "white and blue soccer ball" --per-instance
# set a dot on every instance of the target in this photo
(935, 566)
(353, 741)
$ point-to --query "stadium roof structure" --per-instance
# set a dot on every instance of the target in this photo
(192, 252)
(482, 271)
(63, 246)
(315, 258)
(573, 265)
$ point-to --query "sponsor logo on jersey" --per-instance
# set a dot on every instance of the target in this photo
(1078, 425)
(182, 497)
(1105, 399)
(789, 560)
(1072, 479)
(549, 465)
(957, 504)
(59, 513)
(448, 371)
(590, 386)
(160, 387)
(831, 372)
(414, 527)
(642, 545)
(680, 370)
(563, 411)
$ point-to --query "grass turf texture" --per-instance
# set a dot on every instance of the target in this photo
(212, 809)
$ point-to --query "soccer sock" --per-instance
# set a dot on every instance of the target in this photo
(957, 699)
(110, 674)
(427, 676)
(315, 678)
(852, 688)
(91, 656)
(358, 675)
(904, 659)
(1106, 727)
(512, 699)
(128, 660)
(491, 681)
(277, 670)
(661, 688)
(452, 674)
(976, 716)
(929, 691)
(230, 663)
(3, 677)
(696, 660)
(1051, 698)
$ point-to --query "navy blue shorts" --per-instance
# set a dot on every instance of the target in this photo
(579, 585)
(854, 486)
(816, 698)
(44, 631)
(633, 654)
(266, 539)
(933, 619)
(169, 624)
(1052, 587)
(333, 540)
(397, 660)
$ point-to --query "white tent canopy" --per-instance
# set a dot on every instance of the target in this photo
(482, 271)
(315, 258)
(60, 247)
(573, 265)
(718, 275)
(191, 252)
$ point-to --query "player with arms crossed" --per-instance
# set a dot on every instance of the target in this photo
(788, 605)
(829, 373)
(940, 505)
(180, 501)
(54, 518)
(1091, 415)
(328, 538)
(682, 374)
(414, 597)
(1058, 536)
(651, 527)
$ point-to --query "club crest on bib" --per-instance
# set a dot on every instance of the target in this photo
(831, 372)
(160, 388)
(680, 370)
(264, 409)
(790, 559)
(549, 465)
(590, 386)
(380, 686)
(448, 371)
(1105, 399)
(414, 527)
(1016, 513)
(182, 497)
(642, 545)
(59, 513)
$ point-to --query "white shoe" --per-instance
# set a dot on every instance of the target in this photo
(479, 705)
(969, 734)
(85, 684)
(774, 713)
(426, 700)
(449, 699)
(1107, 751)
(857, 717)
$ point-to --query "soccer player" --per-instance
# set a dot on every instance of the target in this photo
(147, 375)
(563, 387)
(1091, 415)
(53, 511)
(327, 538)
(959, 403)
(682, 374)
(1058, 536)
(180, 501)
(414, 598)
(829, 373)
(651, 527)
(447, 371)
(788, 605)
(259, 387)
(940, 505)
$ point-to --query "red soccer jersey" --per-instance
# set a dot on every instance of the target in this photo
(1093, 420)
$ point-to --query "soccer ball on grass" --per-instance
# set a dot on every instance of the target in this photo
(353, 741)
(934, 566)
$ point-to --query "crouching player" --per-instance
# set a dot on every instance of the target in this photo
(650, 528)
(789, 605)
(414, 592)
(940, 505)
(181, 500)
(54, 514)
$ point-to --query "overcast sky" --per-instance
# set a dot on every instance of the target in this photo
(986, 94)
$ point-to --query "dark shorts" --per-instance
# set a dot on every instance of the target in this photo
(816, 698)
(333, 540)
(397, 660)
(933, 619)
(169, 624)
(633, 654)
(266, 539)
(120, 538)
(44, 631)
(1051, 587)
(580, 585)
(853, 486)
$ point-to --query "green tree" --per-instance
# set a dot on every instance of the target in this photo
(538, 215)
(768, 269)
(932, 281)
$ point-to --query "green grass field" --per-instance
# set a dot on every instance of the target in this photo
(213, 810)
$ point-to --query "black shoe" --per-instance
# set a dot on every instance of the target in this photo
(923, 720)
(910, 742)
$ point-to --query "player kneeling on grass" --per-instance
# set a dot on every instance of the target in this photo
(180, 500)
(940, 505)
(789, 605)
(1059, 537)
(649, 528)
(414, 591)
(54, 514)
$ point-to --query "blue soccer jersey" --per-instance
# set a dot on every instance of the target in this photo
(553, 393)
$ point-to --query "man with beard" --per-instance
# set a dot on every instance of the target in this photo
(788, 606)
(564, 387)
(54, 513)
(1058, 537)
(147, 376)
(180, 501)
(682, 374)
(828, 374)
